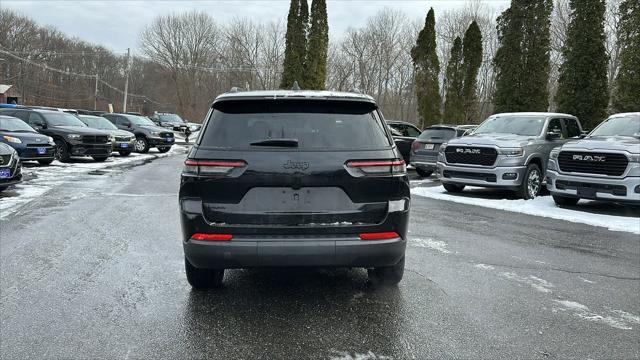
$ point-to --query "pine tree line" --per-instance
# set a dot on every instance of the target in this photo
(307, 43)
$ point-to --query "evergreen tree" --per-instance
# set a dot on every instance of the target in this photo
(472, 59)
(427, 68)
(627, 83)
(522, 59)
(295, 43)
(453, 105)
(582, 86)
(316, 58)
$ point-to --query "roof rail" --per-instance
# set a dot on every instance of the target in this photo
(235, 89)
(295, 86)
(355, 90)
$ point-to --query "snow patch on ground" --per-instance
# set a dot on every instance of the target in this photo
(541, 206)
(537, 283)
(440, 246)
(345, 355)
(38, 180)
(619, 320)
(484, 267)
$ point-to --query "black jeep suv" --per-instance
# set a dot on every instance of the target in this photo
(71, 136)
(294, 178)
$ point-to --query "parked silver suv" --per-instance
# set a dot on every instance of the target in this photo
(507, 151)
(603, 166)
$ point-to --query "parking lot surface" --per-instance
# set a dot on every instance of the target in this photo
(93, 268)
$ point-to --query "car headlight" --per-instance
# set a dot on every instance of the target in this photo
(554, 153)
(74, 136)
(155, 133)
(51, 141)
(512, 152)
(634, 158)
(112, 138)
(12, 139)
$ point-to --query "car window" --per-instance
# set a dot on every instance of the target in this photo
(97, 122)
(14, 124)
(437, 134)
(35, 119)
(573, 130)
(62, 119)
(619, 126)
(122, 121)
(555, 126)
(412, 131)
(319, 125)
(22, 115)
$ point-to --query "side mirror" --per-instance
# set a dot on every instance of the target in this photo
(40, 126)
(583, 134)
(128, 125)
(551, 135)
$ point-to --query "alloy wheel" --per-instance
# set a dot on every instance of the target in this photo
(533, 183)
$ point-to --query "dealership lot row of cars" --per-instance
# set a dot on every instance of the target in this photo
(522, 151)
(42, 135)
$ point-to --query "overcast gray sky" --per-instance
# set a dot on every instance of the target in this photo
(117, 24)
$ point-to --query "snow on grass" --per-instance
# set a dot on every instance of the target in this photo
(541, 206)
(38, 180)
(440, 246)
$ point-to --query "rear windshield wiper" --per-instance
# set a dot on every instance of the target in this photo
(276, 142)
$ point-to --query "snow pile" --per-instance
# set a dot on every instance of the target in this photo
(38, 180)
(541, 206)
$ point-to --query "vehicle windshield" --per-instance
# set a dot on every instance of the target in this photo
(62, 119)
(140, 120)
(14, 124)
(172, 118)
(619, 126)
(326, 125)
(513, 124)
(437, 133)
(97, 122)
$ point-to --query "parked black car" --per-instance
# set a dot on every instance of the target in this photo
(71, 136)
(174, 122)
(28, 143)
(147, 133)
(10, 167)
(294, 178)
(121, 141)
(424, 150)
(404, 134)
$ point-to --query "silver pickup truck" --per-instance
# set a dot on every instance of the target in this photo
(603, 166)
(508, 151)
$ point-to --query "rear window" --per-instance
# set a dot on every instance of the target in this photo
(316, 125)
(438, 133)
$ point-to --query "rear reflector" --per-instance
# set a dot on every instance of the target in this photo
(379, 236)
(212, 237)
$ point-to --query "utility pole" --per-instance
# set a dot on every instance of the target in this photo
(126, 81)
(95, 95)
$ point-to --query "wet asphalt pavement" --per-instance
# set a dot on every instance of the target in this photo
(94, 269)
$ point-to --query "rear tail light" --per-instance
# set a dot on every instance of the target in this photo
(211, 237)
(377, 168)
(207, 167)
(416, 145)
(379, 236)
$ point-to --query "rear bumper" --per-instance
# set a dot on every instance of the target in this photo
(274, 252)
(424, 162)
(605, 189)
(484, 177)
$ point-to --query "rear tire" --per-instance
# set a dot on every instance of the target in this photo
(45, 162)
(453, 188)
(203, 279)
(100, 158)
(387, 275)
(62, 151)
(423, 173)
(531, 183)
(565, 201)
(124, 153)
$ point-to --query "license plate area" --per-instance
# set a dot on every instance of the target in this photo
(429, 146)
(124, 145)
(586, 193)
(5, 173)
(41, 151)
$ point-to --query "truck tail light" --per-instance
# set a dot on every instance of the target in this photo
(393, 167)
(416, 145)
(379, 236)
(209, 167)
